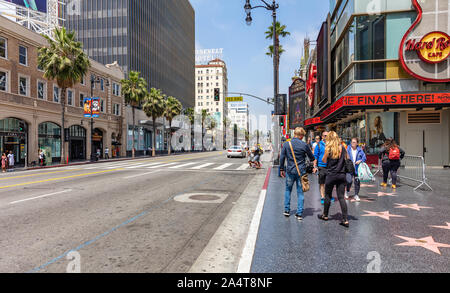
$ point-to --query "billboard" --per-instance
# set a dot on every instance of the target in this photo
(297, 104)
(36, 5)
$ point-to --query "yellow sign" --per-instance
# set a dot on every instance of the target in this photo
(234, 99)
(433, 48)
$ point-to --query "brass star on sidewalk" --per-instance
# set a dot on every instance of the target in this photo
(426, 242)
(443, 227)
(380, 194)
(384, 215)
(415, 206)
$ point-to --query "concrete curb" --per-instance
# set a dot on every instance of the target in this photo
(223, 252)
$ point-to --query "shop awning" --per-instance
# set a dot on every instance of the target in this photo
(355, 103)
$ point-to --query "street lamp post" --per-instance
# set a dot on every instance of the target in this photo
(94, 80)
(272, 7)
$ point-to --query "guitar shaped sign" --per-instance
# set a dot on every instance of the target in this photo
(425, 48)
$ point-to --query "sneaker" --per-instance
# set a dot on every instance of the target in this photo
(394, 186)
(346, 195)
(383, 184)
(356, 198)
(287, 214)
(322, 201)
(300, 218)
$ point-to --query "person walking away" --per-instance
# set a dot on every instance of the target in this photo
(11, 161)
(357, 156)
(4, 162)
(391, 155)
(320, 165)
(291, 173)
(107, 153)
(335, 156)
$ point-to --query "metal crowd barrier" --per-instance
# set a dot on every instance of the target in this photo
(412, 168)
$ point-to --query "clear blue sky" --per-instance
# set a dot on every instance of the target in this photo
(221, 24)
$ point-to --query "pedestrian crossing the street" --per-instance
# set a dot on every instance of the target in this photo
(174, 166)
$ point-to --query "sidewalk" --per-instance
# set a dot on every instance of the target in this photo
(397, 226)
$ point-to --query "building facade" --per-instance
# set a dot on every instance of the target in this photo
(384, 73)
(156, 38)
(30, 105)
(211, 78)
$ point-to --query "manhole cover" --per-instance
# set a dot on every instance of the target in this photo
(204, 197)
(216, 198)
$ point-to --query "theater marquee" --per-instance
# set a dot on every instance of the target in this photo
(425, 48)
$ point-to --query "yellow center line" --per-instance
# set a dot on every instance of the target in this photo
(38, 174)
(60, 178)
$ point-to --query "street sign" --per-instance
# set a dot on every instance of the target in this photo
(234, 99)
(281, 105)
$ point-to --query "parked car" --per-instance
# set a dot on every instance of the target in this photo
(236, 152)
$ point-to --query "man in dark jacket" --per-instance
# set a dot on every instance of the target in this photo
(301, 151)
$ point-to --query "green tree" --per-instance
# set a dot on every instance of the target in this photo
(190, 113)
(63, 60)
(134, 89)
(204, 117)
(154, 107)
(281, 32)
(173, 109)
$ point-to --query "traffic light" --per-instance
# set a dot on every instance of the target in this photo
(216, 95)
(21, 127)
(282, 121)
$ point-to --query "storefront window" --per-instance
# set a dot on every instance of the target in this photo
(381, 126)
(50, 141)
(370, 37)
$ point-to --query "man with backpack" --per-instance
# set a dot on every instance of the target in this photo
(391, 155)
(358, 157)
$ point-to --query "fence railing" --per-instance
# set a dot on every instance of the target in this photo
(412, 168)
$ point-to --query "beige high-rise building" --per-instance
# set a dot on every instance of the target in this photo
(209, 77)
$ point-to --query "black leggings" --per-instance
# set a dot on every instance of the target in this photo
(357, 185)
(392, 167)
(338, 180)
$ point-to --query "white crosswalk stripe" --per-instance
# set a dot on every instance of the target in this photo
(160, 166)
(202, 166)
(183, 166)
(142, 166)
(224, 166)
(243, 167)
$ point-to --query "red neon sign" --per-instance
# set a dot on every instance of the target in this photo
(311, 84)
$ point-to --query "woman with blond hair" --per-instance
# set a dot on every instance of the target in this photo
(335, 156)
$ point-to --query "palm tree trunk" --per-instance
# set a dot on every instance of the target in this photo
(202, 134)
(63, 125)
(154, 137)
(134, 128)
(169, 142)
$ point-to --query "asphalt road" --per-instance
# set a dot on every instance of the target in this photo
(118, 217)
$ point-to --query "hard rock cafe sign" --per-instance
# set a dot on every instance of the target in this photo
(425, 48)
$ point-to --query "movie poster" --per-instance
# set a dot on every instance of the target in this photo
(381, 127)
(297, 104)
(36, 5)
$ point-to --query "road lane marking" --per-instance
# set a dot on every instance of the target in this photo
(143, 166)
(184, 165)
(41, 196)
(202, 166)
(160, 166)
(148, 173)
(243, 167)
(224, 166)
(60, 178)
(38, 174)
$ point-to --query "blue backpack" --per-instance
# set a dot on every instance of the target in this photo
(364, 173)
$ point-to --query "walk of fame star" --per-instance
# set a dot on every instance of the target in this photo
(363, 199)
(443, 227)
(384, 215)
(426, 242)
(415, 206)
(367, 185)
(380, 194)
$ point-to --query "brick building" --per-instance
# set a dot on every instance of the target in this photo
(30, 109)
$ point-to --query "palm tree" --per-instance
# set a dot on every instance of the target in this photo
(64, 61)
(134, 89)
(173, 109)
(190, 113)
(154, 107)
(226, 123)
(204, 116)
(281, 31)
